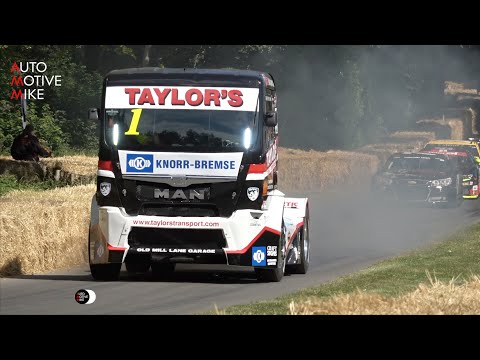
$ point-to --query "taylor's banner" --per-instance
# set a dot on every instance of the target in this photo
(181, 97)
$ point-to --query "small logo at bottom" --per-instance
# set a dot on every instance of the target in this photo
(258, 256)
(85, 296)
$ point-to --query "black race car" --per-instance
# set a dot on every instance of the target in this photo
(420, 177)
(469, 167)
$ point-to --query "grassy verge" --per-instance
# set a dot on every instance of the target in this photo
(453, 261)
(434, 298)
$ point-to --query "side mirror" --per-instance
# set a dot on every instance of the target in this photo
(271, 118)
(93, 114)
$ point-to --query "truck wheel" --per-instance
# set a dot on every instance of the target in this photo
(137, 268)
(303, 241)
(162, 270)
(105, 272)
(275, 275)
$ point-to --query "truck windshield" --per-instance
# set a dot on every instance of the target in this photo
(182, 130)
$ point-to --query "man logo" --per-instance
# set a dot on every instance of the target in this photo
(105, 188)
(140, 163)
(252, 193)
(190, 194)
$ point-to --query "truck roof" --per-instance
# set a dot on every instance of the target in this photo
(153, 71)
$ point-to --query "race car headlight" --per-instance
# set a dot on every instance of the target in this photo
(445, 182)
(383, 180)
(441, 182)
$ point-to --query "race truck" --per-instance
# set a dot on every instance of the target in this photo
(188, 173)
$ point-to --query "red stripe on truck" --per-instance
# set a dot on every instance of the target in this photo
(105, 165)
(257, 168)
(114, 248)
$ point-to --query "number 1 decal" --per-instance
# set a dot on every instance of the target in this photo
(134, 124)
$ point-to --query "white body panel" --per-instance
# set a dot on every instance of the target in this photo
(110, 226)
(295, 210)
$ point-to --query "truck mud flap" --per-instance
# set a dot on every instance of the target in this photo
(261, 252)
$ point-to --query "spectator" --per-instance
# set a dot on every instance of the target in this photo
(26, 146)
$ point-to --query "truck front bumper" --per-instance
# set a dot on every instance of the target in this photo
(247, 238)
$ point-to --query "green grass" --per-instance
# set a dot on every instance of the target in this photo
(456, 257)
(9, 183)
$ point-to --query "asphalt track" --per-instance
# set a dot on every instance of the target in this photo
(348, 232)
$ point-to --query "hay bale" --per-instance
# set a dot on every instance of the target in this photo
(52, 169)
(445, 128)
(44, 230)
(23, 170)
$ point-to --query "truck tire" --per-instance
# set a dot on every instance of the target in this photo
(162, 271)
(303, 241)
(105, 272)
(276, 274)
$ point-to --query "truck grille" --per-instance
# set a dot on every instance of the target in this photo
(178, 210)
(177, 238)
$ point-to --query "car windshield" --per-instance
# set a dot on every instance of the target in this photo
(417, 163)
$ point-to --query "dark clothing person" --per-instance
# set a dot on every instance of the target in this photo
(26, 146)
